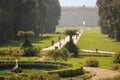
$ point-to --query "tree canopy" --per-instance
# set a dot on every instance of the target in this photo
(39, 16)
(109, 17)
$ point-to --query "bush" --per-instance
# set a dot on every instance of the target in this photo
(34, 76)
(31, 51)
(72, 48)
(116, 67)
(117, 57)
(92, 63)
(72, 72)
(60, 54)
(13, 52)
(17, 70)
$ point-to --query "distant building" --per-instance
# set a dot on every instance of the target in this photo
(79, 16)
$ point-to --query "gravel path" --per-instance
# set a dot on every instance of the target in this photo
(99, 73)
(64, 41)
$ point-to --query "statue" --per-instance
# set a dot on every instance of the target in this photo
(17, 69)
(16, 66)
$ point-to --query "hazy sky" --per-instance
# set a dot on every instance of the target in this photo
(77, 2)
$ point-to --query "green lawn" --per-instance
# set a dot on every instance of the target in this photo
(92, 39)
(104, 62)
(41, 41)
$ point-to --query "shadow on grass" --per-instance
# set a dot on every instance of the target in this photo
(20, 42)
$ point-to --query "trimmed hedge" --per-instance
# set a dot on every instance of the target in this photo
(16, 52)
(92, 63)
(72, 72)
(117, 57)
(33, 76)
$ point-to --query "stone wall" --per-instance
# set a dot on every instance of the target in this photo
(77, 15)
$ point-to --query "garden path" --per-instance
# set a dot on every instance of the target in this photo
(99, 73)
(62, 42)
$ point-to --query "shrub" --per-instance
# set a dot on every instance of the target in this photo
(72, 72)
(17, 70)
(34, 76)
(117, 57)
(65, 54)
(31, 51)
(116, 67)
(60, 54)
(72, 48)
(92, 63)
(13, 52)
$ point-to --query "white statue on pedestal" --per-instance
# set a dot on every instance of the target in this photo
(16, 65)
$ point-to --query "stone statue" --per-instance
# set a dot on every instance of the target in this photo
(16, 65)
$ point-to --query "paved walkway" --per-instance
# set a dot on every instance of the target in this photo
(99, 73)
(62, 42)
(94, 51)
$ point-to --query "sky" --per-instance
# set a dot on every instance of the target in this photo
(77, 2)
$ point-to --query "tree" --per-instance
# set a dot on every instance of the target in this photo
(27, 15)
(109, 17)
(70, 33)
(70, 46)
(26, 43)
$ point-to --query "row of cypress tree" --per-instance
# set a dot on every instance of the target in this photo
(40, 16)
(109, 17)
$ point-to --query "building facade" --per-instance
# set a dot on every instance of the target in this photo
(79, 16)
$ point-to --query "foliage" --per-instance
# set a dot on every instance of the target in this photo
(72, 48)
(92, 63)
(22, 33)
(27, 15)
(70, 32)
(117, 57)
(60, 54)
(116, 67)
(31, 51)
(69, 72)
(13, 52)
(33, 76)
(109, 18)
(17, 70)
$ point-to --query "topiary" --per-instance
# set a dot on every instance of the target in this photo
(72, 48)
(17, 70)
(92, 63)
(31, 51)
(117, 57)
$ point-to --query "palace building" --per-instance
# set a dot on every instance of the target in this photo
(79, 16)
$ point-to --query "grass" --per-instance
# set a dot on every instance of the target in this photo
(93, 39)
(104, 62)
(41, 41)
